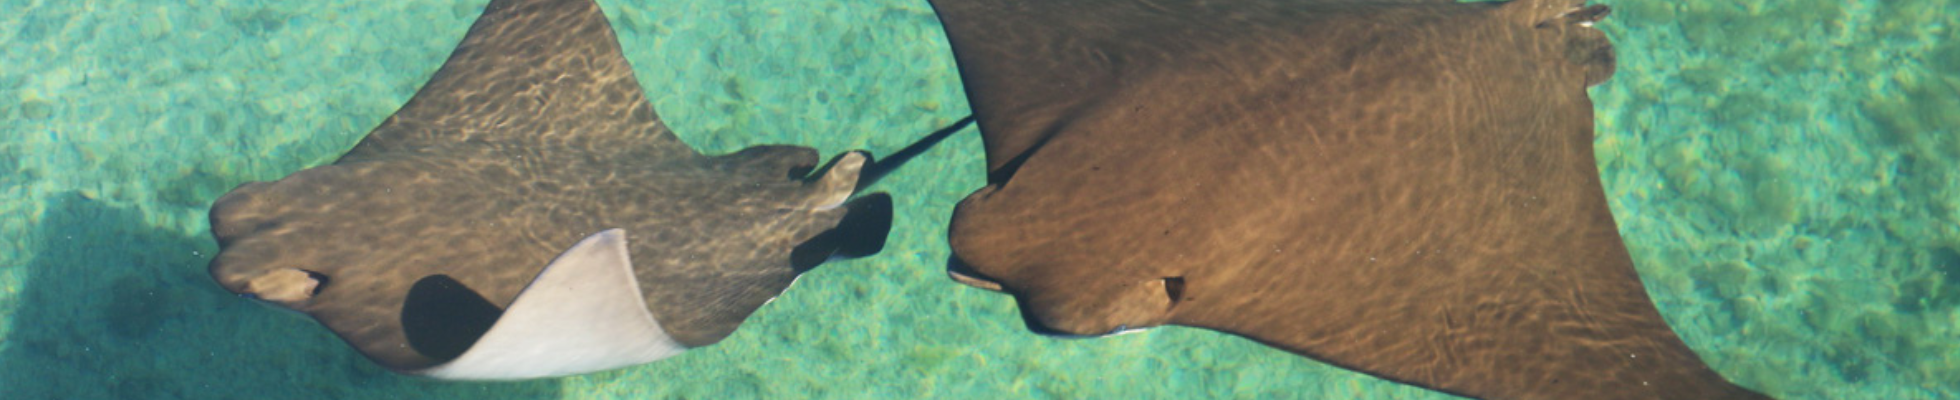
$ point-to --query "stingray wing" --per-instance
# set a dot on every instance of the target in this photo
(522, 143)
(530, 73)
(1296, 167)
(1031, 67)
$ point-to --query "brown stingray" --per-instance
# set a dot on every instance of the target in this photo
(534, 145)
(1401, 188)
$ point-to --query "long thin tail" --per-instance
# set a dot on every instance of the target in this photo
(879, 168)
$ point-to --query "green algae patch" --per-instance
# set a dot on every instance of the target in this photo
(1945, 58)
(930, 358)
(1743, 28)
(1645, 11)
(1778, 199)
(1919, 117)
(1732, 279)
(1926, 293)
(1685, 166)
(196, 188)
(1706, 77)
(1900, 19)
(32, 106)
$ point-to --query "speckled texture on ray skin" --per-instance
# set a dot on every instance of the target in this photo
(1810, 181)
(531, 137)
(1404, 189)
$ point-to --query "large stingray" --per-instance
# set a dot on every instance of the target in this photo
(484, 231)
(1401, 188)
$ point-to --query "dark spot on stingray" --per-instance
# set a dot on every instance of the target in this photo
(443, 318)
(1174, 288)
(862, 233)
(800, 172)
(320, 280)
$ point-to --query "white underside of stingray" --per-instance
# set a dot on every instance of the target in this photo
(582, 314)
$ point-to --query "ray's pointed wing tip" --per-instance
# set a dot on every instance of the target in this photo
(536, 72)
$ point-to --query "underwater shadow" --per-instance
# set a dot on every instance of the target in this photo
(114, 307)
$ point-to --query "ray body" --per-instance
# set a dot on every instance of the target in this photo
(1405, 189)
(534, 146)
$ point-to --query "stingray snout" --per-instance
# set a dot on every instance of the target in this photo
(1096, 309)
(963, 273)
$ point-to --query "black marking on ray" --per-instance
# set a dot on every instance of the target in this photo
(443, 317)
(1174, 288)
(319, 281)
(862, 233)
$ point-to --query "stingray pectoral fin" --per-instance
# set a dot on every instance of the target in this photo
(584, 313)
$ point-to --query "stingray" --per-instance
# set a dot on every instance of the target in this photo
(526, 214)
(1401, 188)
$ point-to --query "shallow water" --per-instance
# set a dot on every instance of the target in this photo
(1787, 176)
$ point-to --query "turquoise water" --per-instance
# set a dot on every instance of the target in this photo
(1787, 176)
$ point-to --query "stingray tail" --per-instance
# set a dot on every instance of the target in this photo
(867, 222)
(868, 218)
(880, 168)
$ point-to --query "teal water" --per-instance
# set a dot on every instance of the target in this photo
(1786, 174)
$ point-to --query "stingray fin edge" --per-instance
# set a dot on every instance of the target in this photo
(583, 313)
